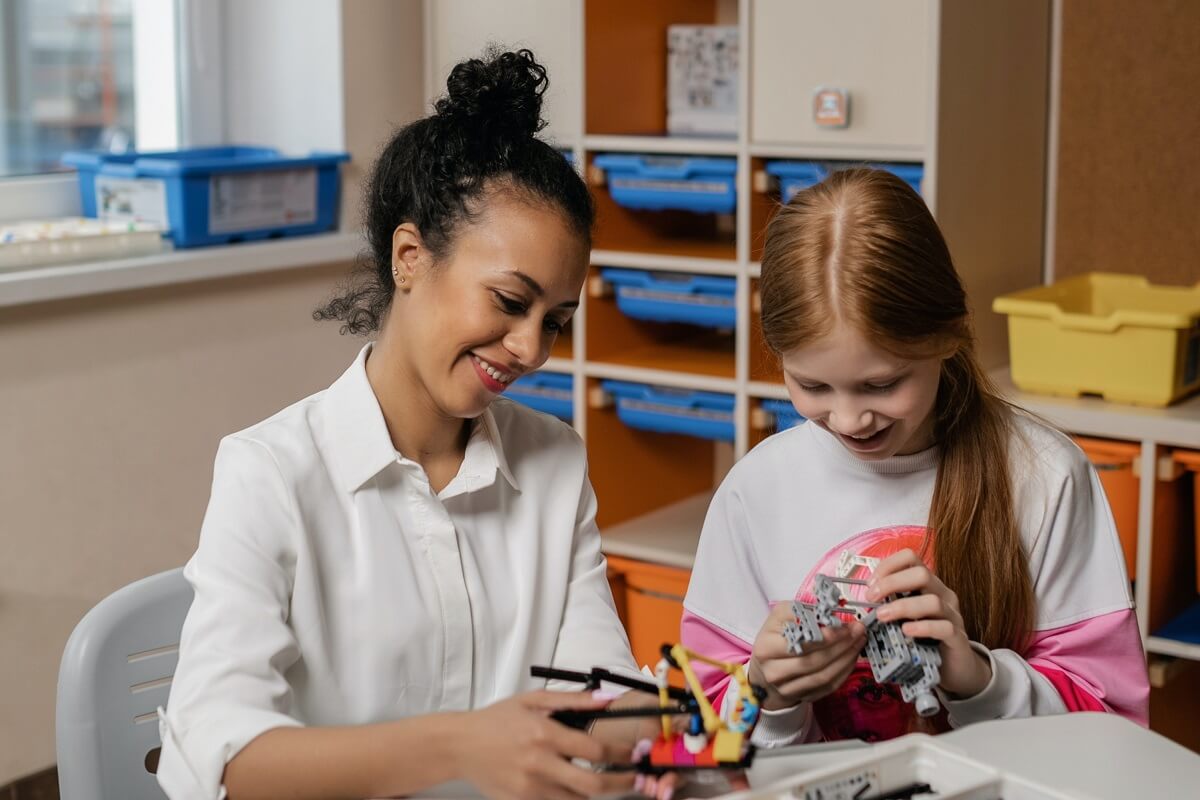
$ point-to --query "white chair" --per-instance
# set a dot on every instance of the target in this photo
(116, 670)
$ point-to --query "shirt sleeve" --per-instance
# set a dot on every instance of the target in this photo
(1085, 653)
(724, 609)
(236, 645)
(591, 633)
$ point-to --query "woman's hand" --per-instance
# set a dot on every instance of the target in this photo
(789, 679)
(932, 614)
(513, 749)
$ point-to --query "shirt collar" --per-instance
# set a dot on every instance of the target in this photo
(356, 437)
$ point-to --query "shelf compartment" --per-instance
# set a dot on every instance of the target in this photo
(769, 416)
(789, 177)
(630, 468)
(1190, 460)
(625, 55)
(764, 365)
(1172, 573)
(616, 338)
(549, 392)
(564, 344)
(775, 181)
(666, 233)
(1184, 627)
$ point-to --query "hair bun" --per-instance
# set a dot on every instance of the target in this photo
(500, 94)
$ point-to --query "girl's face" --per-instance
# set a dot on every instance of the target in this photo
(876, 404)
(491, 310)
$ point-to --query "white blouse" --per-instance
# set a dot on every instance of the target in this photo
(334, 587)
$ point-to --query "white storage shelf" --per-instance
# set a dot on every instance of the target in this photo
(912, 100)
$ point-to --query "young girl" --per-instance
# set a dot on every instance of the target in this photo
(909, 457)
(381, 563)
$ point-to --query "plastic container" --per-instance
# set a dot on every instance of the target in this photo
(784, 413)
(1190, 460)
(219, 195)
(548, 392)
(661, 183)
(795, 176)
(87, 165)
(1112, 335)
(649, 598)
(72, 240)
(1114, 463)
(706, 415)
(705, 300)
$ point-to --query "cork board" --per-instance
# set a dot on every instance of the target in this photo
(1128, 197)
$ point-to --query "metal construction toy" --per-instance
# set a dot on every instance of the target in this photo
(895, 657)
(710, 741)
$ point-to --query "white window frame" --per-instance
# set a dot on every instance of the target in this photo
(192, 87)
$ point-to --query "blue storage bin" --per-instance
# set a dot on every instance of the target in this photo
(706, 300)
(550, 392)
(87, 164)
(795, 176)
(659, 183)
(909, 173)
(707, 415)
(217, 195)
(783, 411)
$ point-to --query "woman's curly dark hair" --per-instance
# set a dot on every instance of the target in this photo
(435, 170)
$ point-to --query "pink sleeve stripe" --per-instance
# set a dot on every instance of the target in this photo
(1074, 696)
(1096, 665)
(697, 633)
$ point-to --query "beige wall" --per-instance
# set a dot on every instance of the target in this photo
(111, 407)
(111, 410)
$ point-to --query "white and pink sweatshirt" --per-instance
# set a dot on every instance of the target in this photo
(795, 504)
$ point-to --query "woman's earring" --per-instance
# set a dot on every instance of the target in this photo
(396, 274)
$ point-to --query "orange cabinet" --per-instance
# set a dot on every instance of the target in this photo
(649, 599)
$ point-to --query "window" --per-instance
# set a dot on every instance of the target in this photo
(66, 81)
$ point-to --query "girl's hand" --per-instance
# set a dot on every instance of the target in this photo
(791, 680)
(513, 749)
(932, 614)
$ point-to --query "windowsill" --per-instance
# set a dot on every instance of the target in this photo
(19, 287)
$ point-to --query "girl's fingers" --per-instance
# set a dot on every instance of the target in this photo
(922, 606)
(895, 562)
(910, 579)
(941, 629)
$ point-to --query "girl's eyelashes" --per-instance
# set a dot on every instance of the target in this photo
(882, 388)
(875, 388)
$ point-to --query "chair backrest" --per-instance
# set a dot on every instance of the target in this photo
(116, 670)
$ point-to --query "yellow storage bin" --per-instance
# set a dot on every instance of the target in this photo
(1112, 335)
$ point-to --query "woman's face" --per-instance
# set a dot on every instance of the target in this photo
(490, 311)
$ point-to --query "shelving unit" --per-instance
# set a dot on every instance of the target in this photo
(1165, 581)
(930, 82)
